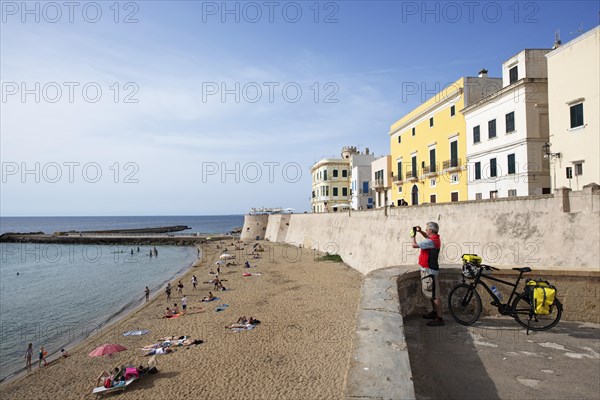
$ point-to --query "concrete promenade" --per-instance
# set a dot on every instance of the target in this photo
(393, 357)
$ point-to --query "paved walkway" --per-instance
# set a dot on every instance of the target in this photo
(495, 359)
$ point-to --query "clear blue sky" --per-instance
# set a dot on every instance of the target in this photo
(132, 109)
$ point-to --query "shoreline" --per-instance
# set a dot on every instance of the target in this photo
(301, 349)
(111, 320)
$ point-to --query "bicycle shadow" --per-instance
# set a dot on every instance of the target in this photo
(445, 363)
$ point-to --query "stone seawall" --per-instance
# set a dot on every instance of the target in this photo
(548, 232)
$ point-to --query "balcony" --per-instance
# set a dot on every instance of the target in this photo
(398, 180)
(430, 170)
(377, 184)
(452, 165)
(412, 176)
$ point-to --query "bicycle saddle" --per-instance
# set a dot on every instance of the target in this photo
(524, 269)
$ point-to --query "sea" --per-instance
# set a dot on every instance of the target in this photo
(56, 295)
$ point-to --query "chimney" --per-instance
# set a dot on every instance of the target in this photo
(557, 41)
(483, 73)
(367, 151)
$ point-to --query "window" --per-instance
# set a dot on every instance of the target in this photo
(432, 160)
(454, 196)
(493, 171)
(345, 192)
(477, 170)
(432, 182)
(577, 115)
(454, 154)
(433, 199)
(491, 129)
(326, 190)
(414, 166)
(414, 131)
(365, 187)
(511, 164)
(400, 170)
(569, 172)
(399, 139)
(476, 134)
(344, 173)
(545, 190)
(335, 192)
(478, 196)
(513, 75)
(510, 122)
(399, 189)
(325, 175)
(578, 169)
(452, 114)
(335, 173)
(454, 178)
(494, 194)
(512, 192)
(431, 122)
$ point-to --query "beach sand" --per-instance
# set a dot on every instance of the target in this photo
(300, 350)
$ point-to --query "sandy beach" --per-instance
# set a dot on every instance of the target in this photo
(300, 350)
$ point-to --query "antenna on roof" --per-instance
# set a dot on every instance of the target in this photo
(557, 41)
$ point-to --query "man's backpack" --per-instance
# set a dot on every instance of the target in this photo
(541, 295)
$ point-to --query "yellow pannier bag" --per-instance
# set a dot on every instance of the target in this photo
(541, 294)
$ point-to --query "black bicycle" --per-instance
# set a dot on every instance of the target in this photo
(465, 302)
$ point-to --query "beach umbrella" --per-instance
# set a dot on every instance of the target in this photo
(106, 349)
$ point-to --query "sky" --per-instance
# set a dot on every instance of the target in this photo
(211, 108)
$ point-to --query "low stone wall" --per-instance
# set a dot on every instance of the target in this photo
(578, 292)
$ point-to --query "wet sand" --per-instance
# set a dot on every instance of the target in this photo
(301, 349)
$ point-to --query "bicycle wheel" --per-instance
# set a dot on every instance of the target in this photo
(526, 318)
(464, 304)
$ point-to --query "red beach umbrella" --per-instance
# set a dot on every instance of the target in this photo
(107, 349)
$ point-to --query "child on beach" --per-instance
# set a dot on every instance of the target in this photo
(194, 282)
(42, 357)
(175, 309)
(28, 355)
(168, 313)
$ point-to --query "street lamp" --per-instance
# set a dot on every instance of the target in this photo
(547, 153)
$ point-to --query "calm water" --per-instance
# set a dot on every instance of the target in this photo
(203, 223)
(63, 293)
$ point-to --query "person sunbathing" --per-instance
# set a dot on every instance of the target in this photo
(210, 297)
(242, 320)
(159, 351)
(175, 309)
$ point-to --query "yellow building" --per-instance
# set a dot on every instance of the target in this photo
(428, 145)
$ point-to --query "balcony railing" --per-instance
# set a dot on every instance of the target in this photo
(411, 175)
(377, 184)
(452, 164)
(398, 179)
(430, 170)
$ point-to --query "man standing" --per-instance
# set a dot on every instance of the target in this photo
(428, 264)
(147, 292)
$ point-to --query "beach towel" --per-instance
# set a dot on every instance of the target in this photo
(248, 327)
(221, 307)
(175, 316)
(136, 333)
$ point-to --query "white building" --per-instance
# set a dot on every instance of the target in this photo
(573, 91)
(506, 132)
(360, 186)
(381, 181)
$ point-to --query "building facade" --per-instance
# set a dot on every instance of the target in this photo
(573, 98)
(506, 132)
(428, 145)
(331, 182)
(360, 181)
(381, 181)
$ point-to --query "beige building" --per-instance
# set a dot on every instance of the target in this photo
(573, 91)
(331, 182)
(381, 181)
